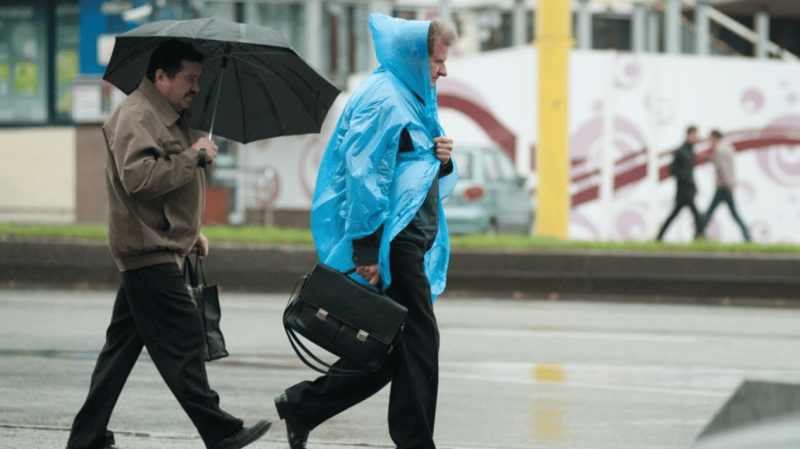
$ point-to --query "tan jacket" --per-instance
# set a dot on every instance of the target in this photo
(723, 164)
(156, 189)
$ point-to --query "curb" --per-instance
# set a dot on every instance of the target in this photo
(520, 274)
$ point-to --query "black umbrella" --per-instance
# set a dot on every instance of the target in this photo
(254, 85)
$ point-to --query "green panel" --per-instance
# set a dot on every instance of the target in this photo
(23, 61)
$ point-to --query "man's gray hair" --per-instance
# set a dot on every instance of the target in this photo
(440, 29)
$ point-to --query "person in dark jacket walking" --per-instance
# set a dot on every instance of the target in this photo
(377, 205)
(156, 195)
(683, 169)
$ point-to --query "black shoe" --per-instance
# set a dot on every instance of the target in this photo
(245, 436)
(295, 432)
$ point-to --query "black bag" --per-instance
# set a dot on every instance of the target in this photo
(343, 317)
(206, 298)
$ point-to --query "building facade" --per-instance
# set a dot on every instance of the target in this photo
(53, 54)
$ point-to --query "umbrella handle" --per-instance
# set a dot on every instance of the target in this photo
(219, 88)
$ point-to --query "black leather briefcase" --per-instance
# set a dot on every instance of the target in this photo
(343, 317)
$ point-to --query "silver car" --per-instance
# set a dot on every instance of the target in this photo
(490, 196)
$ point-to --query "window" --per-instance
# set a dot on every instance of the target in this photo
(505, 166)
(611, 32)
(464, 163)
(23, 62)
(287, 19)
(490, 170)
(36, 77)
(345, 31)
(66, 58)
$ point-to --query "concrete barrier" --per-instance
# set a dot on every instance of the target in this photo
(660, 275)
(88, 264)
(695, 277)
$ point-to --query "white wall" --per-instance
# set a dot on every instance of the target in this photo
(654, 97)
(37, 175)
(649, 100)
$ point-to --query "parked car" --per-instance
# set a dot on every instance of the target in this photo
(490, 196)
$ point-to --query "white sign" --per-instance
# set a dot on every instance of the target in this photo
(87, 102)
(105, 47)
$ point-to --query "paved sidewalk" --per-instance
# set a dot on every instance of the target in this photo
(25, 437)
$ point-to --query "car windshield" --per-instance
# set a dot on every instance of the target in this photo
(464, 163)
(505, 167)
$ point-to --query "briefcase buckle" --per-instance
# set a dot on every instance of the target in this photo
(322, 314)
(362, 335)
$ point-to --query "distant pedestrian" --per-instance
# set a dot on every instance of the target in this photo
(683, 169)
(156, 186)
(722, 158)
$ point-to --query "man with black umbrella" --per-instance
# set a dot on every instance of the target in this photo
(156, 186)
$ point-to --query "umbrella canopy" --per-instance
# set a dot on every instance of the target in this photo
(263, 88)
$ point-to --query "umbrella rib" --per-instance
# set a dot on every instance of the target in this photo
(216, 99)
(266, 68)
(311, 89)
(261, 66)
(241, 97)
(272, 106)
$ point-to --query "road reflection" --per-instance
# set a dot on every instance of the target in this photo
(652, 379)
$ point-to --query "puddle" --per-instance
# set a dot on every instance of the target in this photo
(654, 379)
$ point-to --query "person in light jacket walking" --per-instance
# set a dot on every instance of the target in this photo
(722, 158)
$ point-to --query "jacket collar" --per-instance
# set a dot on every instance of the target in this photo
(165, 111)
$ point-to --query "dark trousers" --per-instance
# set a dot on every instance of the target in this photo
(682, 199)
(723, 194)
(153, 309)
(412, 367)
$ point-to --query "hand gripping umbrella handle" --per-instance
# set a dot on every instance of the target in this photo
(219, 88)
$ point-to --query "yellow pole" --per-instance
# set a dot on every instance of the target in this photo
(553, 41)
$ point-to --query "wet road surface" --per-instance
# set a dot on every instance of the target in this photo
(514, 374)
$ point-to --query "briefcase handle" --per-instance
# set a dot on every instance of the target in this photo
(294, 340)
(379, 286)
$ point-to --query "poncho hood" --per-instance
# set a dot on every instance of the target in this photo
(401, 46)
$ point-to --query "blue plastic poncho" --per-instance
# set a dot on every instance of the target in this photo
(363, 183)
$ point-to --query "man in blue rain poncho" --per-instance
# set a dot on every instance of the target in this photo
(377, 205)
